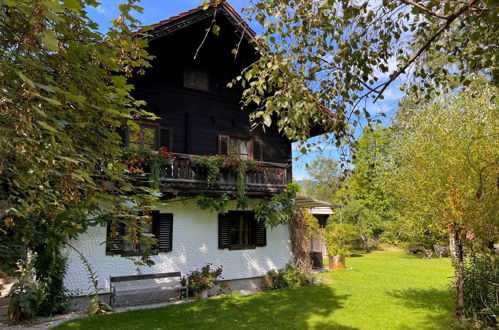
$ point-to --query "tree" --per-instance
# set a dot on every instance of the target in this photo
(64, 95)
(334, 54)
(367, 201)
(446, 153)
(324, 179)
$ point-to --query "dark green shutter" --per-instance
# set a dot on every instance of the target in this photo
(260, 233)
(165, 138)
(163, 230)
(223, 144)
(258, 150)
(114, 244)
(223, 231)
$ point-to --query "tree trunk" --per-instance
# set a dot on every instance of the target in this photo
(365, 242)
(457, 255)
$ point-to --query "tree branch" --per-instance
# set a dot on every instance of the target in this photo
(423, 8)
(442, 28)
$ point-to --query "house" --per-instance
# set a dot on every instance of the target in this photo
(187, 88)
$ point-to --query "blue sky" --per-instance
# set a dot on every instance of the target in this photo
(157, 10)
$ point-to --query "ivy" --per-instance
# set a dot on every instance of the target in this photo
(278, 210)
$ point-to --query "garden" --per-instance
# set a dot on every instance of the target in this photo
(380, 290)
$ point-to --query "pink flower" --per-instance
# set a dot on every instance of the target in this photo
(470, 235)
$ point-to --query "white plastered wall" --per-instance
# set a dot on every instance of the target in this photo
(195, 242)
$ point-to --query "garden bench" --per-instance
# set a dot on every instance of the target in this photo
(149, 291)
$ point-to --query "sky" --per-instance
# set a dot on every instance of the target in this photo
(157, 10)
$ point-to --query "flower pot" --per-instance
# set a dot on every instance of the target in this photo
(203, 294)
(337, 262)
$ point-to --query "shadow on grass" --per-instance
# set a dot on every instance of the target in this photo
(437, 302)
(301, 308)
(356, 255)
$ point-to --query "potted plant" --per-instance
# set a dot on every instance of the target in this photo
(338, 238)
(201, 281)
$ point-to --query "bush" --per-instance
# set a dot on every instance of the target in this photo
(481, 290)
(25, 296)
(339, 238)
(50, 269)
(205, 279)
(288, 277)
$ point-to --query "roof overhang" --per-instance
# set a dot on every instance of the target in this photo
(307, 202)
(173, 24)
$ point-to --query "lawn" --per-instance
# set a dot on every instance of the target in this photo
(381, 290)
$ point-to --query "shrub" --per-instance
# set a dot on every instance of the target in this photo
(50, 271)
(287, 277)
(205, 279)
(25, 296)
(339, 238)
(481, 290)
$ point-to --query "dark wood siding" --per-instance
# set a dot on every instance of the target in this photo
(196, 118)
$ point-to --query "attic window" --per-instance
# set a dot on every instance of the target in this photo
(196, 79)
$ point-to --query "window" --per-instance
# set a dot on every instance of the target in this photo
(148, 136)
(242, 147)
(158, 226)
(145, 137)
(239, 148)
(196, 79)
(240, 230)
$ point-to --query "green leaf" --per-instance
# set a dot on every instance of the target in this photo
(50, 41)
(216, 29)
(47, 126)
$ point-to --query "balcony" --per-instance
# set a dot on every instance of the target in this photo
(183, 177)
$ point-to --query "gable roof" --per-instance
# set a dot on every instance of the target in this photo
(187, 18)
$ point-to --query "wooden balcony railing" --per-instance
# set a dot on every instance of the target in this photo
(182, 176)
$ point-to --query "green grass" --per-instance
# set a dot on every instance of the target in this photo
(382, 290)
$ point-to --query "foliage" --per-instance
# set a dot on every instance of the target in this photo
(25, 296)
(96, 306)
(64, 93)
(339, 238)
(287, 277)
(325, 179)
(367, 200)
(217, 164)
(410, 292)
(311, 222)
(275, 211)
(51, 268)
(279, 209)
(139, 161)
(446, 153)
(445, 156)
(205, 279)
(216, 204)
(345, 54)
(481, 289)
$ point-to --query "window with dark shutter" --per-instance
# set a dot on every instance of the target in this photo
(260, 234)
(240, 230)
(165, 138)
(223, 231)
(258, 150)
(163, 230)
(223, 144)
(114, 243)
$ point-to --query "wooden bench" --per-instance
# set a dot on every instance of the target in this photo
(116, 279)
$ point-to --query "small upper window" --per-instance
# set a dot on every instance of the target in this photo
(239, 148)
(145, 137)
(196, 79)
